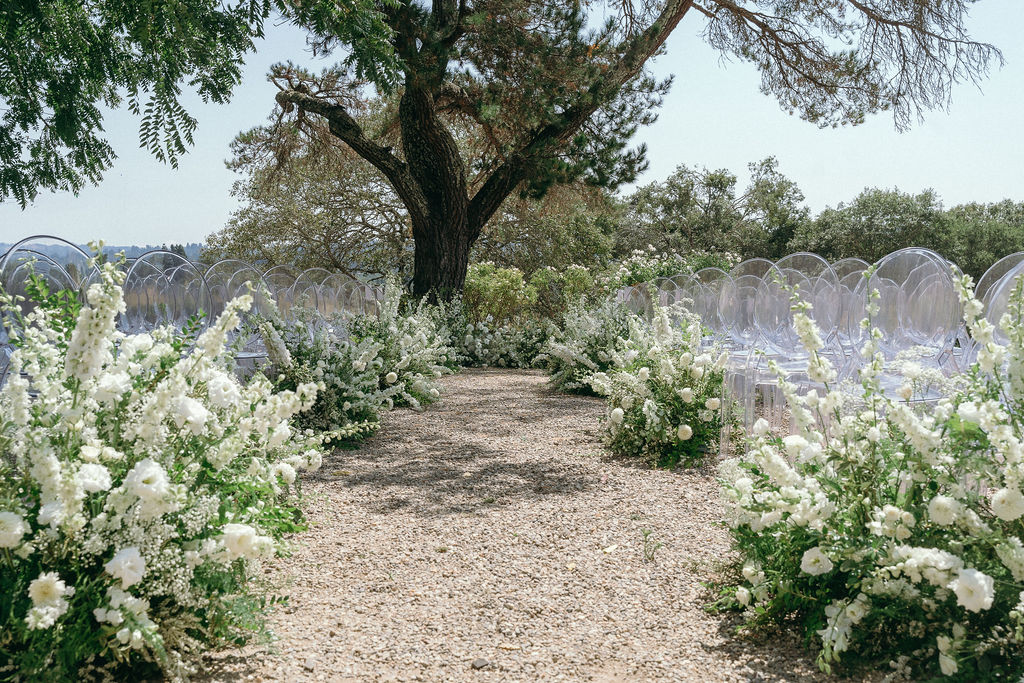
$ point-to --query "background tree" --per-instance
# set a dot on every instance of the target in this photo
(571, 224)
(326, 207)
(309, 200)
(62, 60)
(874, 224)
(556, 92)
(698, 209)
(981, 234)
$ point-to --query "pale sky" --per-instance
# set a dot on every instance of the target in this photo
(715, 116)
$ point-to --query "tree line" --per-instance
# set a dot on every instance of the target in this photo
(330, 209)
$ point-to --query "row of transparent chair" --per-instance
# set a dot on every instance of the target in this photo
(749, 311)
(164, 288)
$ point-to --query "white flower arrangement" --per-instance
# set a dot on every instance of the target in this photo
(412, 345)
(587, 343)
(127, 461)
(893, 532)
(663, 391)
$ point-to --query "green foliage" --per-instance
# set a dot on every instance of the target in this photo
(495, 294)
(571, 224)
(65, 60)
(878, 222)
(700, 210)
(875, 223)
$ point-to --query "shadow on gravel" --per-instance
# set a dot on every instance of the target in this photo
(424, 472)
(768, 653)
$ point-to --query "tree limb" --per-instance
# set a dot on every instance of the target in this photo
(518, 164)
(348, 130)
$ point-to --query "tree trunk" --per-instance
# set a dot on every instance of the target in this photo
(441, 231)
(441, 259)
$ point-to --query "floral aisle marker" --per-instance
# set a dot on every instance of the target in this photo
(664, 391)
(140, 486)
(893, 534)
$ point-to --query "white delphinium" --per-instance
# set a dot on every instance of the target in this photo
(914, 506)
(122, 454)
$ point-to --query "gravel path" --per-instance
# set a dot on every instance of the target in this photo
(491, 538)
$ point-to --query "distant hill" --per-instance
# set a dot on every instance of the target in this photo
(192, 250)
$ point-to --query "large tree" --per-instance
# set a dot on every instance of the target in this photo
(556, 93)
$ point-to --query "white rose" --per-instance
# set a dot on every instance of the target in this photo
(112, 386)
(687, 395)
(391, 378)
(1008, 504)
(48, 589)
(968, 412)
(280, 434)
(93, 477)
(743, 596)
(974, 590)
(644, 374)
(684, 432)
(240, 541)
(189, 411)
(627, 402)
(285, 471)
(815, 562)
(712, 403)
(147, 480)
(943, 510)
(616, 416)
(128, 566)
(222, 391)
(761, 427)
(795, 445)
(12, 529)
(314, 459)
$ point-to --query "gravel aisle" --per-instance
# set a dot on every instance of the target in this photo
(491, 539)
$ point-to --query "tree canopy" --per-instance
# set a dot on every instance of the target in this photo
(547, 91)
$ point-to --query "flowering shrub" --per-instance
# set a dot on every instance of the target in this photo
(893, 534)
(140, 485)
(414, 350)
(347, 372)
(505, 346)
(645, 266)
(664, 392)
(586, 344)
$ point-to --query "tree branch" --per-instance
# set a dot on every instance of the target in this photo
(344, 127)
(518, 164)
